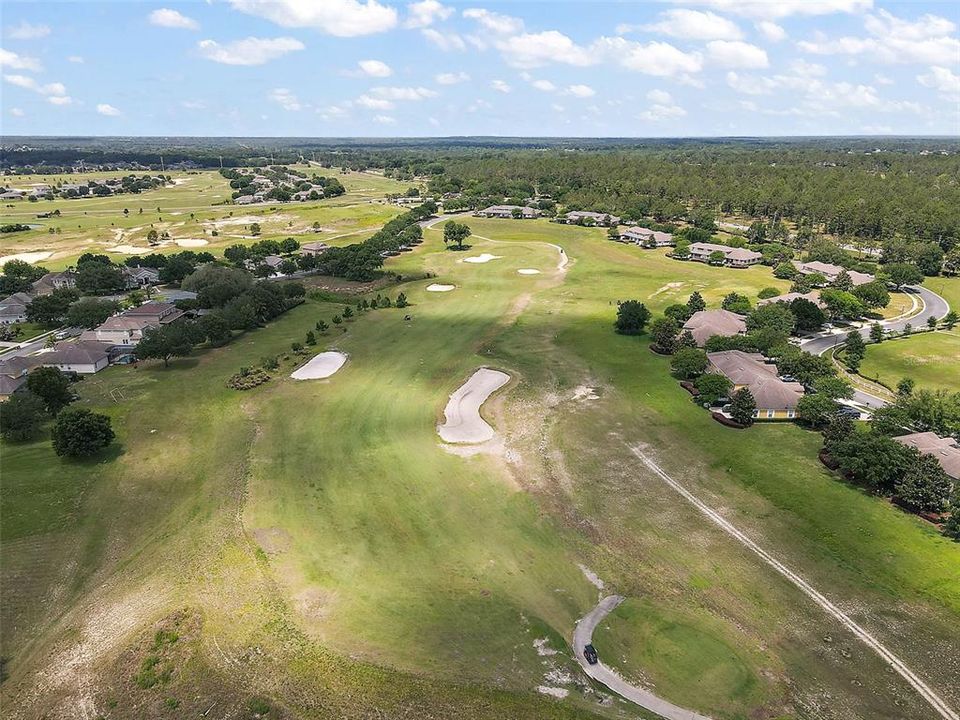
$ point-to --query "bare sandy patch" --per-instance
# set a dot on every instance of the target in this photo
(482, 258)
(27, 257)
(320, 366)
(463, 421)
(191, 242)
(553, 691)
(591, 576)
(528, 271)
(438, 287)
(585, 392)
(129, 250)
(665, 288)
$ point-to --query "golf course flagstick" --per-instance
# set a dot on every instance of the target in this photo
(938, 704)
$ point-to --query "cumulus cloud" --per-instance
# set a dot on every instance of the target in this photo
(659, 59)
(543, 85)
(343, 18)
(55, 92)
(13, 61)
(771, 31)
(694, 25)
(662, 107)
(446, 41)
(108, 110)
(375, 68)
(249, 51)
(427, 12)
(580, 91)
(76, 59)
(403, 93)
(165, 17)
(17, 112)
(451, 78)
(374, 103)
(737, 54)
(529, 50)
(495, 22)
(60, 100)
(384, 120)
(26, 31)
(943, 80)
(783, 8)
(285, 99)
(500, 86)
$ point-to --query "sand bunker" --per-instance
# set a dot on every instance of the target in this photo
(320, 366)
(483, 258)
(463, 422)
(528, 271)
(27, 257)
(191, 242)
(437, 287)
(129, 249)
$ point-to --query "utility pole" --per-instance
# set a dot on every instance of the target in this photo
(161, 163)
(221, 162)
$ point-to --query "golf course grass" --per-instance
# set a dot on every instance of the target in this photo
(930, 359)
(344, 563)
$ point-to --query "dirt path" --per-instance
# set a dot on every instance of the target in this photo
(583, 635)
(928, 694)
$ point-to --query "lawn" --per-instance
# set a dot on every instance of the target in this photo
(930, 359)
(349, 565)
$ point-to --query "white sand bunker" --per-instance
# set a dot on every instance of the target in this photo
(27, 257)
(482, 258)
(320, 366)
(191, 242)
(437, 287)
(463, 422)
(528, 271)
(129, 250)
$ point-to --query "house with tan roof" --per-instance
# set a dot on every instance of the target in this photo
(84, 357)
(776, 399)
(813, 296)
(55, 281)
(644, 237)
(704, 324)
(314, 248)
(944, 449)
(508, 211)
(732, 257)
(832, 272)
(582, 217)
(13, 309)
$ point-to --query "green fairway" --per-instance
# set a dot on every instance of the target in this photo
(350, 565)
(928, 358)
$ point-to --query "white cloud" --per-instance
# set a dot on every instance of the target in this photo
(663, 107)
(403, 93)
(285, 99)
(783, 8)
(544, 85)
(60, 100)
(10, 59)
(807, 69)
(495, 22)
(881, 79)
(343, 18)
(736, 54)
(654, 58)
(249, 51)
(56, 92)
(333, 112)
(373, 103)
(557, 107)
(926, 41)
(384, 120)
(433, 121)
(17, 112)
(108, 110)
(500, 86)
(451, 78)
(193, 104)
(26, 31)
(942, 79)
(771, 31)
(165, 17)
(21, 81)
(580, 91)
(478, 105)
(76, 59)
(446, 41)
(427, 12)
(538, 49)
(694, 25)
(375, 68)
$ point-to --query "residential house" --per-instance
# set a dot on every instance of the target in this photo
(159, 312)
(84, 357)
(944, 449)
(13, 309)
(138, 277)
(9, 384)
(704, 324)
(55, 281)
(831, 272)
(12, 195)
(126, 329)
(732, 257)
(813, 296)
(507, 211)
(314, 248)
(584, 217)
(644, 237)
(245, 200)
(13, 374)
(775, 399)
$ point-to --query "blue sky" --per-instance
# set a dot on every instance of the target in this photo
(369, 68)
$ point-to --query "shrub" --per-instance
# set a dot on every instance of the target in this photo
(78, 432)
(248, 378)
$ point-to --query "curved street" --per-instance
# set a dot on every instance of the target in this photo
(583, 635)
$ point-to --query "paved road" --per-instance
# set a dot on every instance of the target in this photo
(583, 635)
(430, 222)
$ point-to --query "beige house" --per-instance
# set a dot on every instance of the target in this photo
(314, 248)
(945, 450)
(813, 296)
(732, 257)
(831, 272)
(645, 237)
(13, 309)
(507, 211)
(127, 328)
(83, 357)
(705, 324)
(776, 399)
(578, 217)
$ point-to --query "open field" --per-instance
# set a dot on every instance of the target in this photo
(929, 358)
(326, 549)
(191, 211)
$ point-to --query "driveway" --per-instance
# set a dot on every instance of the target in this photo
(583, 635)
